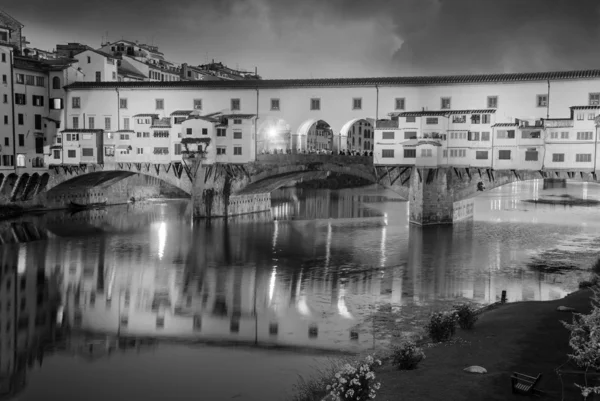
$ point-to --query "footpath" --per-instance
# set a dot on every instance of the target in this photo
(526, 337)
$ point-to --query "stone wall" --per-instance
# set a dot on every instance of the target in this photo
(246, 204)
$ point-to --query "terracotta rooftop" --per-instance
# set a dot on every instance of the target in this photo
(505, 125)
(182, 112)
(596, 107)
(153, 115)
(442, 113)
(391, 81)
(83, 130)
(243, 116)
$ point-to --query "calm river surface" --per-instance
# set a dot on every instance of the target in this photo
(297, 287)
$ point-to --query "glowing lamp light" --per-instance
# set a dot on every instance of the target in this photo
(272, 131)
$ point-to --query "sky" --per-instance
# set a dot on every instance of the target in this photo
(334, 38)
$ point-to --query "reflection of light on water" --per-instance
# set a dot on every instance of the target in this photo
(162, 239)
(21, 264)
(342, 308)
(585, 191)
(272, 285)
(328, 245)
(536, 189)
(303, 306)
(275, 234)
(385, 219)
(59, 314)
(383, 239)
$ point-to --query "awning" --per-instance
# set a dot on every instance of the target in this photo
(124, 147)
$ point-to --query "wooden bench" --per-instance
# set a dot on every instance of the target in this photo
(524, 384)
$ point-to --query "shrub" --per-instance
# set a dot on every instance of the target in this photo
(441, 326)
(312, 388)
(466, 316)
(407, 355)
(355, 382)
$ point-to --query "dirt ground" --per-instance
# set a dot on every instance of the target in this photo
(525, 337)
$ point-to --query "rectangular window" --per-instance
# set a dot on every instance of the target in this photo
(4, 78)
(114, 75)
(237, 150)
(221, 131)
(410, 135)
(411, 119)
(594, 99)
(431, 120)
(98, 76)
(237, 134)
(75, 122)
(580, 116)
(21, 140)
(558, 157)
(357, 103)
(445, 103)
(109, 151)
(106, 123)
(29, 80)
(56, 154)
(140, 151)
(177, 149)
(492, 103)
(426, 153)
(20, 98)
(38, 100)
(5, 119)
(274, 104)
(564, 135)
(554, 135)
(583, 157)
(388, 153)
(505, 134)
(410, 153)
(188, 131)
(75, 103)
(399, 103)
(473, 136)
(481, 155)
(4, 54)
(71, 153)
(460, 119)
(585, 136)
(123, 103)
(591, 116)
(220, 150)
(235, 104)
(160, 104)
(126, 124)
(91, 123)
(485, 118)
(542, 100)
(20, 119)
(37, 118)
(237, 121)
(531, 155)
(161, 151)
(20, 78)
(56, 104)
(476, 119)
(531, 134)
(197, 104)
(205, 131)
(504, 154)
(315, 104)
(160, 134)
(87, 152)
(485, 136)
(387, 135)
(179, 120)
(40, 81)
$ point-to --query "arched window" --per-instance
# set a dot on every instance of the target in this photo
(20, 160)
(56, 83)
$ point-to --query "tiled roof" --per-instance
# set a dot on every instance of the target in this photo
(83, 130)
(505, 125)
(126, 131)
(128, 72)
(182, 112)
(153, 115)
(242, 116)
(391, 81)
(585, 107)
(443, 112)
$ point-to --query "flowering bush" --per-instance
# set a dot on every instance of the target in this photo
(585, 341)
(407, 355)
(355, 382)
(442, 325)
(466, 316)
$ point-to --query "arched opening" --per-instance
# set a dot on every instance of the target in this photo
(314, 136)
(56, 83)
(273, 136)
(357, 135)
(8, 184)
(19, 188)
(30, 187)
(43, 183)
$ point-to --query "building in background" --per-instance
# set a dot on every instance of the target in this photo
(360, 136)
(320, 137)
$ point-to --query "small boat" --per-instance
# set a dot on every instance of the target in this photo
(97, 205)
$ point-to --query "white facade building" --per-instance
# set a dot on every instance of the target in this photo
(97, 66)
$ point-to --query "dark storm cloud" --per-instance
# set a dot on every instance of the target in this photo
(291, 38)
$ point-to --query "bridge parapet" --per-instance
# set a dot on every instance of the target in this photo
(299, 158)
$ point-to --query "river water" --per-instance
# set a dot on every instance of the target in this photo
(278, 291)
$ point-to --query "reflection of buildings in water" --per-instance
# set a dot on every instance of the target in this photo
(28, 300)
(289, 203)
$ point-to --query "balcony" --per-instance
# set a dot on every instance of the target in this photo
(386, 124)
(566, 123)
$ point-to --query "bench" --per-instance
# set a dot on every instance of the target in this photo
(524, 384)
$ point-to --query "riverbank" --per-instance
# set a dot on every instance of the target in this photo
(526, 337)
